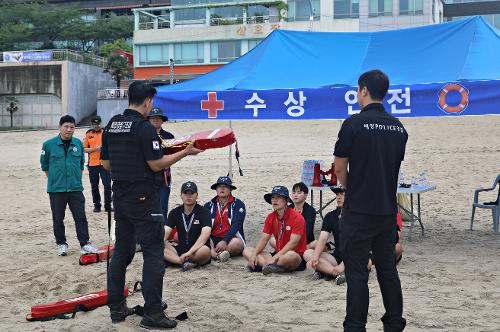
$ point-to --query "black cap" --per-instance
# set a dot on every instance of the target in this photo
(278, 190)
(157, 112)
(225, 180)
(189, 186)
(96, 119)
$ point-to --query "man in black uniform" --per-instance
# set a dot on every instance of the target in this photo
(373, 144)
(132, 151)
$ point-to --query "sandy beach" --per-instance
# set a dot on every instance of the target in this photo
(450, 277)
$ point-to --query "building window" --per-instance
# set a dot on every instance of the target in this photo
(346, 9)
(411, 7)
(380, 8)
(190, 16)
(225, 51)
(226, 15)
(300, 10)
(150, 55)
(259, 14)
(186, 53)
(253, 42)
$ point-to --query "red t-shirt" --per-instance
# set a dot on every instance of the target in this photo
(399, 221)
(293, 224)
(221, 223)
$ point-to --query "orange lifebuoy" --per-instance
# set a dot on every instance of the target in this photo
(463, 102)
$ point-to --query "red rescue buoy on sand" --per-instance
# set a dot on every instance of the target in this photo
(81, 303)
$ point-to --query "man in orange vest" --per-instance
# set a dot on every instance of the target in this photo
(92, 145)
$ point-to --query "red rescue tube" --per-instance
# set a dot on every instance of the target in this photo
(203, 140)
(89, 301)
(101, 255)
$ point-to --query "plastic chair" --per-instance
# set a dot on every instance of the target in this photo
(494, 206)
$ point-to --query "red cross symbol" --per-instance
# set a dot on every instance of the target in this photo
(212, 105)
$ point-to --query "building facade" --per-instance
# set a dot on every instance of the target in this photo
(192, 37)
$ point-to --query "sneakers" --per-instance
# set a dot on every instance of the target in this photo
(340, 279)
(224, 256)
(62, 249)
(88, 249)
(188, 266)
(120, 314)
(97, 209)
(157, 321)
(273, 268)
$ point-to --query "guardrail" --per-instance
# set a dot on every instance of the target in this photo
(112, 93)
(67, 55)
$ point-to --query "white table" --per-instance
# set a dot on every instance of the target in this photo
(416, 189)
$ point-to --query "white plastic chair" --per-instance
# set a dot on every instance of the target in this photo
(495, 208)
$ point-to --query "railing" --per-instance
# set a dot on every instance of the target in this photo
(112, 93)
(214, 21)
(68, 55)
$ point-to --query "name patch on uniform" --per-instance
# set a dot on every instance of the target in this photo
(156, 145)
(120, 127)
(376, 126)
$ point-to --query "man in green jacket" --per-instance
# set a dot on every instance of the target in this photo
(62, 159)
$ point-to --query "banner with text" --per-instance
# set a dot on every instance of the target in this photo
(420, 100)
(27, 56)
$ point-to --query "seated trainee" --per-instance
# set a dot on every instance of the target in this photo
(288, 228)
(227, 215)
(193, 228)
(330, 263)
(299, 197)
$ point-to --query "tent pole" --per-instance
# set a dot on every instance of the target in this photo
(230, 172)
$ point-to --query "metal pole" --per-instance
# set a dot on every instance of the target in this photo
(230, 155)
(311, 16)
(171, 71)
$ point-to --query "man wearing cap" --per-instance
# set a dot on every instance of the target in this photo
(193, 228)
(156, 118)
(92, 145)
(228, 215)
(288, 228)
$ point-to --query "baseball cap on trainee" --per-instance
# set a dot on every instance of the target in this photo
(157, 112)
(96, 119)
(278, 190)
(189, 186)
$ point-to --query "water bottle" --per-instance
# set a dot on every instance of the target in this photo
(401, 179)
(422, 179)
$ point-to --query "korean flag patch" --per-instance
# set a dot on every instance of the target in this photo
(156, 145)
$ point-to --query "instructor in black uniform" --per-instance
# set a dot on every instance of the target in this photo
(132, 151)
(373, 144)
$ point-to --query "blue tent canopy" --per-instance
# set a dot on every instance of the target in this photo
(436, 70)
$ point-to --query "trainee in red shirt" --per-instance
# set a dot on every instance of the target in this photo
(293, 224)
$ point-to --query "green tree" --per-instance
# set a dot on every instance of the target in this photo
(114, 27)
(12, 108)
(107, 49)
(14, 26)
(118, 68)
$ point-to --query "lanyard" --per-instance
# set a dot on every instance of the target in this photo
(187, 226)
(281, 226)
(221, 212)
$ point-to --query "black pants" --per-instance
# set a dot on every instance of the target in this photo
(96, 172)
(76, 202)
(164, 195)
(361, 233)
(141, 221)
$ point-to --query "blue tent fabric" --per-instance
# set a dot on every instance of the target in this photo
(290, 61)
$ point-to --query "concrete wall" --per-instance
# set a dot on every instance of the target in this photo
(107, 108)
(41, 111)
(47, 90)
(82, 84)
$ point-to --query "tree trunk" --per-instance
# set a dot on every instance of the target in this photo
(11, 119)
